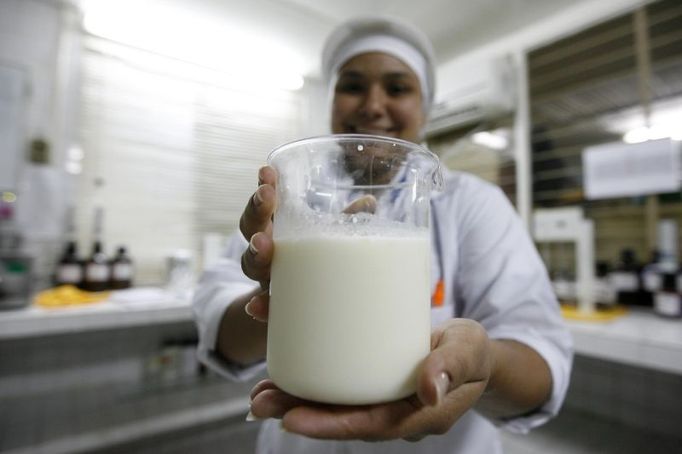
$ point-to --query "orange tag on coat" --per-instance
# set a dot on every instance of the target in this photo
(438, 297)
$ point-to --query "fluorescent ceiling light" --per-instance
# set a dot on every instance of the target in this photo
(491, 140)
(643, 133)
(73, 167)
(186, 34)
(75, 153)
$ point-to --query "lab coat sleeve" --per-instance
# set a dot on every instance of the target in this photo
(503, 284)
(219, 286)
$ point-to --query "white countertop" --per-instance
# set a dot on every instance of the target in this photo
(639, 338)
(119, 312)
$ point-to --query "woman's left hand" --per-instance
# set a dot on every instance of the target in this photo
(451, 380)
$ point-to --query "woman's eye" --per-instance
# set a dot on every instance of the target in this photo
(398, 89)
(349, 87)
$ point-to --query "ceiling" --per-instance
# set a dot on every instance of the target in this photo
(454, 26)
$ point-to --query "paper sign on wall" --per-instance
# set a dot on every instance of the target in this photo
(622, 170)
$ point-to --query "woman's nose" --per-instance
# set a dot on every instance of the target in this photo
(374, 104)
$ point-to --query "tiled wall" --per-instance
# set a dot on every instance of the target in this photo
(642, 398)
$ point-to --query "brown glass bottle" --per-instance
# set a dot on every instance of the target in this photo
(121, 270)
(667, 300)
(96, 270)
(69, 268)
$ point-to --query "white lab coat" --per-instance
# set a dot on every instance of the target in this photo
(492, 274)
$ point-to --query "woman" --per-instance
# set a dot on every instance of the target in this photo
(500, 356)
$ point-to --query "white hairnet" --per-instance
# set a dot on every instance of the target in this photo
(382, 34)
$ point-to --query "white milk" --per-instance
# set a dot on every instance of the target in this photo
(349, 317)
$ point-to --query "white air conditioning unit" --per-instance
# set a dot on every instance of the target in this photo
(476, 93)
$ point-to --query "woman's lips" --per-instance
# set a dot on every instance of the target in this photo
(372, 131)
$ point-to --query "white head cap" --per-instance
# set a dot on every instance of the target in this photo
(382, 34)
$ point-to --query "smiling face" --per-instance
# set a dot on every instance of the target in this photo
(377, 93)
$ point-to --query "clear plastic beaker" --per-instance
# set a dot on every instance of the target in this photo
(349, 319)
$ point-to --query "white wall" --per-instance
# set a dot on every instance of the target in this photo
(39, 37)
(315, 119)
(28, 40)
(31, 33)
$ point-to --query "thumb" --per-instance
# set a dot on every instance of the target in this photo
(459, 355)
(364, 204)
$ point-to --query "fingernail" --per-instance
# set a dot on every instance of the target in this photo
(250, 417)
(442, 383)
(260, 176)
(247, 308)
(252, 247)
(257, 200)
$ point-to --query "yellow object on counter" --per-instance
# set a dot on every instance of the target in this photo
(67, 296)
(571, 312)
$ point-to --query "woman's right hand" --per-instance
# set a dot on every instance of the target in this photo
(256, 226)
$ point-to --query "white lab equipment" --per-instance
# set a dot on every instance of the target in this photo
(569, 225)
